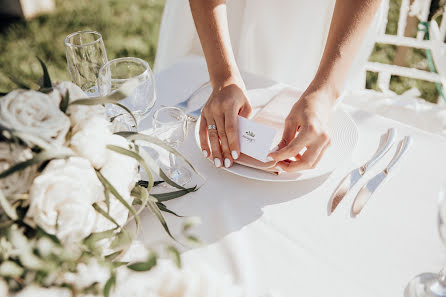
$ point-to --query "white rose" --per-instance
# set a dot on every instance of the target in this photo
(20, 181)
(87, 274)
(74, 91)
(122, 172)
(61, 199)
(91, 140)
(35, 113)
(34, 291)
(79, 114)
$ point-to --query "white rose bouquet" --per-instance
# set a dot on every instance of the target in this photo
(69, 188)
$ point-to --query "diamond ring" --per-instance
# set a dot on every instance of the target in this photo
(212, 127)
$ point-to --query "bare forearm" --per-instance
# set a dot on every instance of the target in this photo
(350, 22)
(211, 22)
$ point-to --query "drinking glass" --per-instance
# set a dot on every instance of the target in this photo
(85, 52)
(116, 73)
(432, 284)
(170, 126)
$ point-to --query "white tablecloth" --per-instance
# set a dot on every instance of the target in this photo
(277, 237)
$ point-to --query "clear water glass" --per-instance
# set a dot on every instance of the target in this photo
(116, 73)
(432, 284)
(170, 126)
(85, 52)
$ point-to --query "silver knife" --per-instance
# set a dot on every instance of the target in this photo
(366, 191)
(353, 177)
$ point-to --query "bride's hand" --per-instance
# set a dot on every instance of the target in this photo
(221, 110)
(310, 116)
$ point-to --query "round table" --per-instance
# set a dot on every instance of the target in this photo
(277, 237)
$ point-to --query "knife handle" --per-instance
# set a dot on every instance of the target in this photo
(391, 135)
(402, 149)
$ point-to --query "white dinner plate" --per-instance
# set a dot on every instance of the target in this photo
(344, 137)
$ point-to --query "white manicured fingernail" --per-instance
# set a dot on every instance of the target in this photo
(275, 149)
(205, 153)
(217, 162)
(269, 159)
(234, 155)
(227, 163)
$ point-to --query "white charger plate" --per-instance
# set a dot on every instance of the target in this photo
(344, 138)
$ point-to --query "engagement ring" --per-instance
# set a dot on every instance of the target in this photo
(212, 127)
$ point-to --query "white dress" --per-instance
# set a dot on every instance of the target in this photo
(279, 39)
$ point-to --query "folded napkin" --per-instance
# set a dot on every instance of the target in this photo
(272, 114)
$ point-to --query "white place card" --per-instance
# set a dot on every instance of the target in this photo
(256, 140)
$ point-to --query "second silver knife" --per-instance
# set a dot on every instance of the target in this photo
(366, 191)
(353, 177)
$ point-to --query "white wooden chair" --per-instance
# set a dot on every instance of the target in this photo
(437, 47)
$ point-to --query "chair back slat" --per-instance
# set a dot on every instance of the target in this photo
(402, 20)
(384, 17)
(443, 28)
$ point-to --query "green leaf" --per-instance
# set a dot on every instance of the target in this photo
(107, 199)
(103, 100)
(175, 255)
(46, 80)
(150, 139)
(64, 102)
(156, 211)
(164, 208)
(18, 82)
(113, 256)
(39, 158)
(105, 214)
(94, 237)
(113, 98)
(117, 264)
(169, 181)
(122, 240)
(193, 239)
(145, 184)
(7, 207)
(52, 237)
(141, 196)
(189, 224)
(144, 266)
(118, 196)
(109, 285)
(162, 197)
(137, 157)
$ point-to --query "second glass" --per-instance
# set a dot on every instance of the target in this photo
(85, 52)
(170, 126)
(116, 73)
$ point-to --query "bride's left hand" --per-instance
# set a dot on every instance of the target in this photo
(310, 116)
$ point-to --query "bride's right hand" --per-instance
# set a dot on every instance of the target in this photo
(226, 102)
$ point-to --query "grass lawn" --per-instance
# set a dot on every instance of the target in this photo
(130, 28)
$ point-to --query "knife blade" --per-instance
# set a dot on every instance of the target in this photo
(367, 190)
(355, 175)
